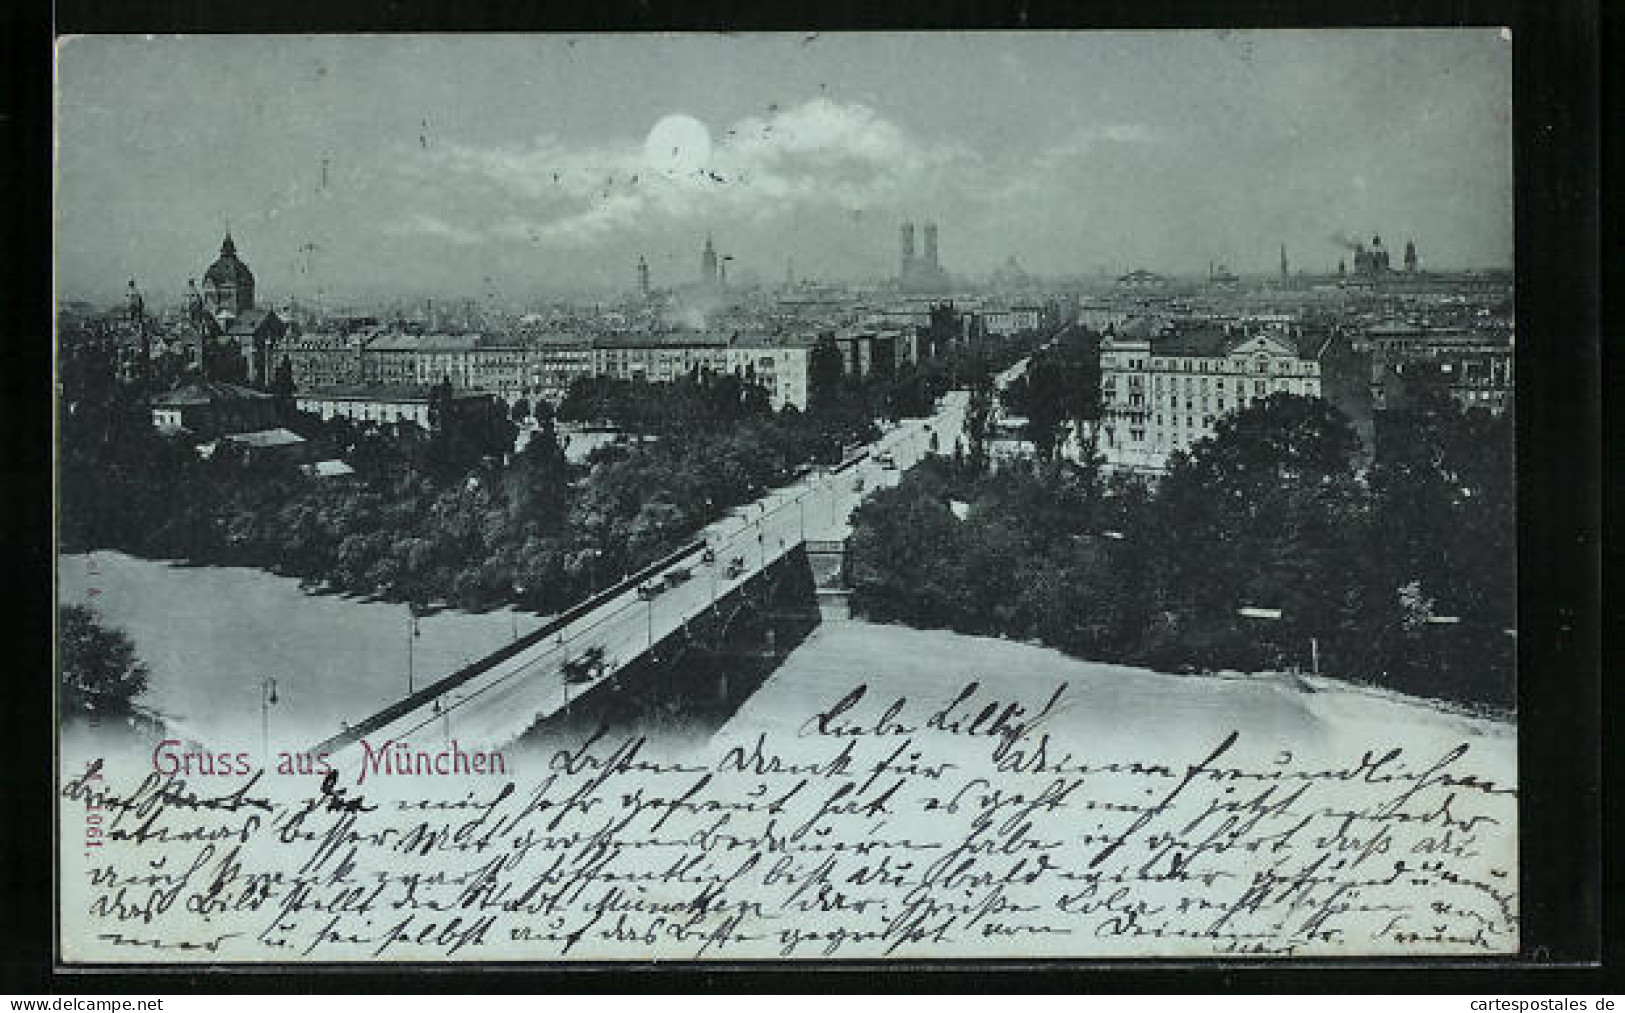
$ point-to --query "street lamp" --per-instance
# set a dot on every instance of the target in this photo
(267, 699)
(445, 713)
(412, 634)
(592, 570)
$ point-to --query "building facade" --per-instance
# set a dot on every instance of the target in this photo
(780, 367)
(1003, 322)
(657, 360)
(323, 360)
(382, 405)
(554, 362)
(211, 408)
(1482, 380)
(542, 367)
(1163, 389)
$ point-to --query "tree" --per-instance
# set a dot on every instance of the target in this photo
(1264, 513)
(1442, 534)
(100, 673)
(1061, 385)
(440, 399)
(825, 368)
(282, 389)
(224, 360)
(906, 557)
(978, 420)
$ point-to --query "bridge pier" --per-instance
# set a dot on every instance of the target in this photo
(827, 559)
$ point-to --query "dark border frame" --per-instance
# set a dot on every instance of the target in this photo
(1560, 367)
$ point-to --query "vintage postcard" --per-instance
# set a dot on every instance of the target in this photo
(692, 497)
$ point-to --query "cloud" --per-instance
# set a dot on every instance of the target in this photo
(420, 223)
(1030, 176)
(841, 155)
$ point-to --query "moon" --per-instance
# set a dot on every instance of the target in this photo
(678, 144)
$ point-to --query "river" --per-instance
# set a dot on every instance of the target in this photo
(210, 636)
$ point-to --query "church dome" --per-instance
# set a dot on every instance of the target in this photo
(228, 284)
(228, 270)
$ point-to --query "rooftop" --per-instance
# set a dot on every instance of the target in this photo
(263, 438)
(1194, 342)
(329, 469)
(773, 341)
(676, 339)
(201, 392)
(367, 392)
(250, 320)
(424, 343)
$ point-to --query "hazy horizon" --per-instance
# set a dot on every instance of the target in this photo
(520, 167)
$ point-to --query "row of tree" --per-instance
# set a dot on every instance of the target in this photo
(1060, 387)
(1402, 574)
(451, 515)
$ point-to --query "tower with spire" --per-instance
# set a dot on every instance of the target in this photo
(643, 276)
(195, 313)
(136, 309)
(920, 272)
(708, 263)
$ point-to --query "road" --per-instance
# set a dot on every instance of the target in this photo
(496, 707)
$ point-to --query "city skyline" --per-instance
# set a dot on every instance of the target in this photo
(363, 166)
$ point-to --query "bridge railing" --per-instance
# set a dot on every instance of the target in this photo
(415, 700)
(849, 462)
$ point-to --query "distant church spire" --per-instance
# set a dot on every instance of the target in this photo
(194, 303)
(708, 263)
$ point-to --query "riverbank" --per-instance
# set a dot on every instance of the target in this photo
(1117, 709)
(211, 635)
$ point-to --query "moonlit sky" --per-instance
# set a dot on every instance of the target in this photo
(524, 166)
